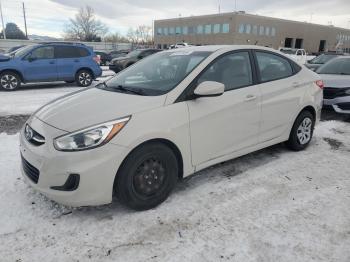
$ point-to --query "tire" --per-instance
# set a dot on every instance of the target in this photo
(302, 131)
(84, 78)
(9, 81)
(146, 177)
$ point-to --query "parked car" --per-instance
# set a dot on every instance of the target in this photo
(179, 45)
(105, 58)
(320, 60)
(14, 49)
(49, 62)
(119, 53)
(336, 77)
(118, 64)
(298, 55)
(171, 114)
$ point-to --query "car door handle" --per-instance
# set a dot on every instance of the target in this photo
(250, 98)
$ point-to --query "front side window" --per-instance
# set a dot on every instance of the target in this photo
(226, 28)
(273, 67)
(46, 52)
(232, 70)
(157, 74)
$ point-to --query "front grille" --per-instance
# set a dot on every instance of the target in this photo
(331, 92)
(344, 106)
(31, 172)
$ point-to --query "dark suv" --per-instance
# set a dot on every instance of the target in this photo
(118, 64)
(60, 61)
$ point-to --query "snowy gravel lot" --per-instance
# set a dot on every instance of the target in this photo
(273, 205)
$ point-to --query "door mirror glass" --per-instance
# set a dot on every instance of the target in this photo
(209, 89)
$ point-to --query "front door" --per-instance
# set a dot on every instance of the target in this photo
(40, 65)
(230, 122)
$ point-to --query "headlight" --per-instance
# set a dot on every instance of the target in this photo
(90, 137)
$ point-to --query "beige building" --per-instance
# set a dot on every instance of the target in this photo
(241, 28)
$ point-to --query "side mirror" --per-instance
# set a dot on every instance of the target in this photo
(31, 58)
(209, 89)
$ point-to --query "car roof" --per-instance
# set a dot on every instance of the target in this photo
(214, 48)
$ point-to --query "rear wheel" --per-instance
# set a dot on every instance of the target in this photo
(302, 131)
(10, 81)
(147, 176)
(84, 78)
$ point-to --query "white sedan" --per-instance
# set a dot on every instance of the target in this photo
(164, 118)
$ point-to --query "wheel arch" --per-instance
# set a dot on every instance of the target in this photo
(14, 71)
(310, 109)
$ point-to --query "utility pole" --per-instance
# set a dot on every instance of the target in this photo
(219, 6)
(2, 21)
(25, 20)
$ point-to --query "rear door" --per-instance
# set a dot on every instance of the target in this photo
(281, 91)
(69, 60)
(40, 65)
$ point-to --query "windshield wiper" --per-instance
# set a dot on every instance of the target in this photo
(130, 90)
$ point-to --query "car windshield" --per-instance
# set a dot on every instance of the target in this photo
(322, 59)
(23, 51)
(336, 67)
(156, 74)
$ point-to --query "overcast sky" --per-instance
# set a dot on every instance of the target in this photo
(48, 17)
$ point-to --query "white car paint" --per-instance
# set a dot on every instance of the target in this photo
(206, 130)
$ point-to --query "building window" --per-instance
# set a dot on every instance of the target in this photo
(159, 46)
(267, 31)
(165, 31)
(226, 28)
(185, 30)
(216, 29)
(165, 46)
(261, 30)
(171, 31)
(248, 28)
(255, 29)
(241, 28)
(200, 29)
(159, 31)
(191, 30)
(273, 31)
(207, 29)
(178, 30)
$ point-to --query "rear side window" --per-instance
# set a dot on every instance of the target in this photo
(273, 67)
(70, 52)
(233, 70)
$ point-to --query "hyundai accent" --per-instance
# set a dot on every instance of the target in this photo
(170, 115)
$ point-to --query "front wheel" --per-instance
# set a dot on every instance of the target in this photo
(10, 81)
(302, 131)
(84, 78)
(147, 176)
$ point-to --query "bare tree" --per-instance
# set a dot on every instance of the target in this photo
(131, 35)
(85, 26)
(141, 35)
(116, 38)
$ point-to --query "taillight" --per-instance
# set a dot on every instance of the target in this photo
(320, 84)
(97, 59)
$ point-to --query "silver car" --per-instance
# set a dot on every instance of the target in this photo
(336, 77)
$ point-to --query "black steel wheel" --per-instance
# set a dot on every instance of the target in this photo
(147, 176)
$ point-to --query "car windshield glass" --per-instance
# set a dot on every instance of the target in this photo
(322, 59)
(336, 67)
(134, 53)
(23, 51)
(156, 74)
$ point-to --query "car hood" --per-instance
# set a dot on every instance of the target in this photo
(336, 80)
(93, 106)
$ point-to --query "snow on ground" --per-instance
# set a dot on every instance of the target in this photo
(273, 205)
(32, 96)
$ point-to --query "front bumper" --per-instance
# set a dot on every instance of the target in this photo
(96, 168)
